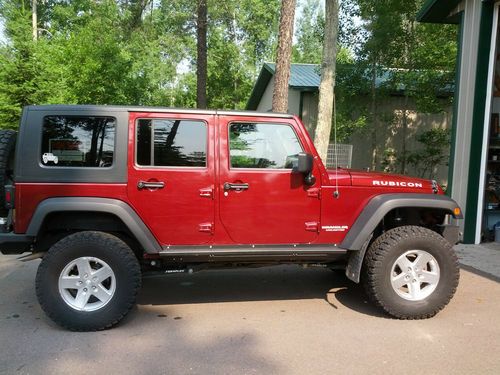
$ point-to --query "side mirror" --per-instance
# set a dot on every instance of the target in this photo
(305, 165)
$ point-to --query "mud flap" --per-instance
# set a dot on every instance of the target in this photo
(355, 262)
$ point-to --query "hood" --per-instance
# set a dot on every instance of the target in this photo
(341, 175)
(393, 181)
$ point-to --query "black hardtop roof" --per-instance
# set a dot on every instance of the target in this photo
(124, 108)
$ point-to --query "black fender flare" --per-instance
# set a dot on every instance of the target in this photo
(116, 207)
(361, 232)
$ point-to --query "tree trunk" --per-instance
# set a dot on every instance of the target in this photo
(404, 133)
(34, 19)
(283, 56)
(410, 45)
(373, 111)
(327, 84)
(201, 60)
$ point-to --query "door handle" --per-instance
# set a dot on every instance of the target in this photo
(150, 185)
(241, 186)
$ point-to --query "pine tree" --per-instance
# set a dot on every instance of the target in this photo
(283, 56)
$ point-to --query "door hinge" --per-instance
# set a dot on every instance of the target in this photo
(314, 193)
(312, 226)
(206, 228)
(207, 193)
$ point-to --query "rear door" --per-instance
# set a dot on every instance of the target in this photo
(171, 175)
(262, 201)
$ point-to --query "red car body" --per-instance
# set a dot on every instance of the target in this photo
(194, 209)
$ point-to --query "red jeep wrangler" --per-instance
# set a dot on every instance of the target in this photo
(105, 193)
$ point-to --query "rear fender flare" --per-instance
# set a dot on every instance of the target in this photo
(115, 207)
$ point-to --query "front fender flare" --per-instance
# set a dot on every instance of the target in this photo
(381, 205)
(360, 234)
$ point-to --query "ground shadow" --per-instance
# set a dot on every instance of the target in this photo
(262, 284)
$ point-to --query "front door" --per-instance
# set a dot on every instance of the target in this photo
(171, 175)
(261, 200)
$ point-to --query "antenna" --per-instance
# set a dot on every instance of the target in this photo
(336, 194)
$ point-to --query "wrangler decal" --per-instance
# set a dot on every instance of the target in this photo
(335, 228)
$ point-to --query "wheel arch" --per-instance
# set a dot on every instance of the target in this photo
(364, 230)
(380, 206)
(101, 207)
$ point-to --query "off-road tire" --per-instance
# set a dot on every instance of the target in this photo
(379, 260)
(7, 152)
(106, 247)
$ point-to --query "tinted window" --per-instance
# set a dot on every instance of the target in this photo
(78, 141)
(176, 143)
(254, 145)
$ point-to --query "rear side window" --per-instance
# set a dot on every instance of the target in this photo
(171, 143)
(78, 141)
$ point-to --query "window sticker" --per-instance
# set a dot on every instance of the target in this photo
(49, 157)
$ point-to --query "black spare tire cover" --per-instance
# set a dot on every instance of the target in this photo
(7, 153)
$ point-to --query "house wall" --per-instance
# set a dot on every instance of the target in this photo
(310, 111)
(294, 102)
(266, 101)
(389, 134)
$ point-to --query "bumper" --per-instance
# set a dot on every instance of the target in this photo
(11, 243)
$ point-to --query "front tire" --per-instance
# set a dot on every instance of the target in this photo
(411, 272)
(88, 281)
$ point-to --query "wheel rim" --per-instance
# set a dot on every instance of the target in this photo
(87, 284)
(415, 275)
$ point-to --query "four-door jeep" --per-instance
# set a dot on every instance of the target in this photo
(104, 193)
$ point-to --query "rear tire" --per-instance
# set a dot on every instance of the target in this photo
(7, 153)
(88, 281)
(410, 272)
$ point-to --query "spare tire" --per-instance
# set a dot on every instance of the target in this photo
(7, 153)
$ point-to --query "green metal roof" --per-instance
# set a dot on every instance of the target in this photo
(303, 77)
(438, 11)
(307, 77)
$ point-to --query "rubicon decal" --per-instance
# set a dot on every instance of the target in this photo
(397, 183)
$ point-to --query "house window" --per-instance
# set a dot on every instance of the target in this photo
(171, 143)
(78, 141)
(263, 145)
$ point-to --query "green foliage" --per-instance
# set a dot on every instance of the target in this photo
(389, 160)
(20, 66)
(241, 35)
(434, 152)
(309, 34)
(144, 53)
(130, 52)
(347, 125)
(229, 81)
(414, 61)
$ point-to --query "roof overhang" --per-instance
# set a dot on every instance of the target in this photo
(439, 11)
